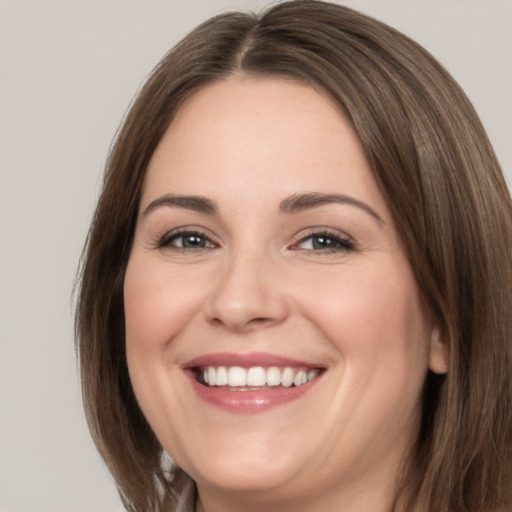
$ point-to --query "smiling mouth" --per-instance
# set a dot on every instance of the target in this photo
(255, 378)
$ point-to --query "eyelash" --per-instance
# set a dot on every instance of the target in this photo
(338, 243)
(168, 238)
(341, 243)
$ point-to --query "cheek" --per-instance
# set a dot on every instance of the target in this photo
(376, 322)
(158, 303)
(371, 314)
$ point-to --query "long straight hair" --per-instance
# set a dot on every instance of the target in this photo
(441, 180)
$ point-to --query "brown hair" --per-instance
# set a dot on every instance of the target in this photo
(439, 175)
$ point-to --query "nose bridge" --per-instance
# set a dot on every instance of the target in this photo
(247, 293)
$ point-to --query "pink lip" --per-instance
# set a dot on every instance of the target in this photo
(246, 360)
(247, 402)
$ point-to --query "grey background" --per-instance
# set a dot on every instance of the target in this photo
(68, 70)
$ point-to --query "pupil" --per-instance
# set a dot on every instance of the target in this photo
(193, 241)
(323, 242)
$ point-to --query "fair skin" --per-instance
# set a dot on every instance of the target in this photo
(285, 256)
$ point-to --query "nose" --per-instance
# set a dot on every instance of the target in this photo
(248, 295)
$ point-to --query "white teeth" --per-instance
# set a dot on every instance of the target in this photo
(237, 376)
(211, 376)
(287, 377)
(273, 376)
(312, 374)
(222, 376)
(257, 376)
(300, 378)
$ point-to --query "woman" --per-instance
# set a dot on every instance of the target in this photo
(297, 283)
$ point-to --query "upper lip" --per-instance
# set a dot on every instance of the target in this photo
(247, 360)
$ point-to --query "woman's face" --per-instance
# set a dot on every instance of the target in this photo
(265, 261)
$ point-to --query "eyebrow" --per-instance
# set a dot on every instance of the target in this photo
(293, 204)
(300, 202)
(197, 203)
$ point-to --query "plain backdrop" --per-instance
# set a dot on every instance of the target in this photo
(68, 70)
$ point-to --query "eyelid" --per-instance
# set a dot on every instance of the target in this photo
(347, 242)
(163, 241)
(344, 240)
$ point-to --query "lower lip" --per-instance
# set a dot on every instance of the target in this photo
(249, 402)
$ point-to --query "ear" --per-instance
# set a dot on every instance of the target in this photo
(439, 352)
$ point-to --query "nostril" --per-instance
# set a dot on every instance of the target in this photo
(241, 323)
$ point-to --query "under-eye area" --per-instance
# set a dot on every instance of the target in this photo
(254, 378)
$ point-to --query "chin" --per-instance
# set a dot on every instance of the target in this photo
(244, 470)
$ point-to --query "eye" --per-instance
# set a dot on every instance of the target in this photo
(326, 242)
(186, 240)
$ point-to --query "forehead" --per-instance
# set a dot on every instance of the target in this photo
(258, 138)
